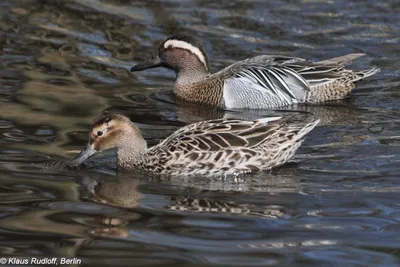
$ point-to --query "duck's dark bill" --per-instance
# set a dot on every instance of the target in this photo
(151, 63)
(81, 157)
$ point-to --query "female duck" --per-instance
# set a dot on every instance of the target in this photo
(209, 148)
(260, 82)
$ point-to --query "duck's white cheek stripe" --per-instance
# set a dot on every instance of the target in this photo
(187, 46)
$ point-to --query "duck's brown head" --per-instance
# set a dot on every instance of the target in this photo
(179, 53)
(111, 130)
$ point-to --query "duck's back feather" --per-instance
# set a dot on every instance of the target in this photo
(220, 147)
(269, 81)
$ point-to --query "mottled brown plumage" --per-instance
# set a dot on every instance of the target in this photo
(208, 148)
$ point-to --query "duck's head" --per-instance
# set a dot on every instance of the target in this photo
(111, 130)
(179, 53)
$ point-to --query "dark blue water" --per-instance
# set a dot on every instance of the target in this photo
(62, 63)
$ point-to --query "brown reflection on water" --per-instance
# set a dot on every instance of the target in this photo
(43, 101)
(121, 193)
(39, 223)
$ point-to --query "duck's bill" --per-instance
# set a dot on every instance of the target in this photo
(153, 62)
(81, 157)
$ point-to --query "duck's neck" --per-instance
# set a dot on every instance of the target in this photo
(190, 73)
(131, 151)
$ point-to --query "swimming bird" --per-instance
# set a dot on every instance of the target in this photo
(207, 148)
(265, 81)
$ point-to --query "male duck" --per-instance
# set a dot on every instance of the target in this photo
(265, 81)
(208, 148)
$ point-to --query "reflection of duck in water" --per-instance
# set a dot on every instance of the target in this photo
(335, 113)
(168, 111)
(208, 148)
(124, 192)
(119, 192)
(193, 204)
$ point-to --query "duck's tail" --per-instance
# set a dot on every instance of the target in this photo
(345, 60)
(337, 87)
(365, 73)
(284, 146)
(342, 60)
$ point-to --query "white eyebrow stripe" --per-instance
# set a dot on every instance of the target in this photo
(185, 45)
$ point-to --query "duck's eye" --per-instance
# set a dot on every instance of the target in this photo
(170, 48)
(99, 133)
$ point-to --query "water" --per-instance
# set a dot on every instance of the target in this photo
(62, 63)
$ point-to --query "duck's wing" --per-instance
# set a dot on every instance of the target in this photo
(286, 79)
(216, 135)
(273, 75)
(331, 70)
(229, 146)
